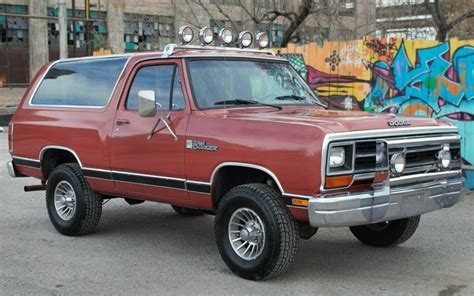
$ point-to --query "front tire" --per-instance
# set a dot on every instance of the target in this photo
(386, 234)
(73, 208)
(255, 233)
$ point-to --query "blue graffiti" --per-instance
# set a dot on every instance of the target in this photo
(434, 77)
(444, 85)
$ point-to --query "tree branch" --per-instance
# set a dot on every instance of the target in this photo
(459, 19)
(181, 12)
(251, 15)
(234, 26)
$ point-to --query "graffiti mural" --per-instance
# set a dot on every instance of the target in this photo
(415, 77)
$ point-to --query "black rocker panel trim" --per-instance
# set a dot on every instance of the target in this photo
(25, 162)
(149, 180)
(97, 174)
(198, 187)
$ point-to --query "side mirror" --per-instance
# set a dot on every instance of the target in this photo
(146, 103)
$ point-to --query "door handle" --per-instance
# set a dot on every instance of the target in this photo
(122, 122)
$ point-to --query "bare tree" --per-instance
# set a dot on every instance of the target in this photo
(293, 15)
(446, 16)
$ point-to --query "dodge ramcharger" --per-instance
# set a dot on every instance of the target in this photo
(230, 129)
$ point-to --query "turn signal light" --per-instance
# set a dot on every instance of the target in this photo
(338, 181)
(299, 202)
(380, 177)
(10, 138)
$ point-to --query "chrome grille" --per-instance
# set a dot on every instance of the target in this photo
(364, 157)
(420, 153)
(371, 149)
(421, 156)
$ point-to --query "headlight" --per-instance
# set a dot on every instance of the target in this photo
(340, 158)
(337, 157)
(444, 159)
(397, 163)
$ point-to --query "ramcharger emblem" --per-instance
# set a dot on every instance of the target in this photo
(399, 122)
(200, 145)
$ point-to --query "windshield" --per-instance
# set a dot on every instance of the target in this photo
(221, 83)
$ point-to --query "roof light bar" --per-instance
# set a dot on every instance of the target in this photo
(262, 40)
(206, 36)
(185, 34)
(226, 36)
(245, 39)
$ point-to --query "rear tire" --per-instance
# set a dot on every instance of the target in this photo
(386, 234)
(73, 208)
(256, 235)
(187, 211)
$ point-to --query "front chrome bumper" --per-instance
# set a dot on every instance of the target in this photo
(391, 202)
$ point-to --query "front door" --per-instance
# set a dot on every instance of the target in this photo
(147, 161)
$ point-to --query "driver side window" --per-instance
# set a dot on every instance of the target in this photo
(164, 80)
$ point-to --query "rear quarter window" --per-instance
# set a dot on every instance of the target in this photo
(84, 83)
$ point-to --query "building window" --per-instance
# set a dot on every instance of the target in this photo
(14, 30)
(147, 32)
(275, 34)
(77, 30)
(347, 7)
(225, 2)
(318, 4)
(384, 3)
(426, 33)
(270, 4)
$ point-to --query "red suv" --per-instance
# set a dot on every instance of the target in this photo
(234, 133)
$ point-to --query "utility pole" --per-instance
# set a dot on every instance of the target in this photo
(88, 24)
(63, 50)
(74, 44)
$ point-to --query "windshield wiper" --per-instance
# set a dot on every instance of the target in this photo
(291, 98)
(299, 98)
(245, 102)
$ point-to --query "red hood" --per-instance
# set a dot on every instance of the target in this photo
(330, 120)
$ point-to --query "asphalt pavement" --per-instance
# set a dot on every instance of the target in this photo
(147, 249)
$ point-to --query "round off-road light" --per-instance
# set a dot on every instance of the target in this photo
(444, 159)
(397, 163)
(185, 34)
(262, 40)
(225, 36)
(245, 39)
(206, 36)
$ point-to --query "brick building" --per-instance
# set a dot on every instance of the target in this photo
(135, 25)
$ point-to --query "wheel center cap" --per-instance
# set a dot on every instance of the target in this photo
(68, 199)
(250, 233)
(244, 234)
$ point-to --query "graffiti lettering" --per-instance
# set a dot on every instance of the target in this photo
(419, 78)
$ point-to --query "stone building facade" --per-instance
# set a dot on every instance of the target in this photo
(137, 25)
